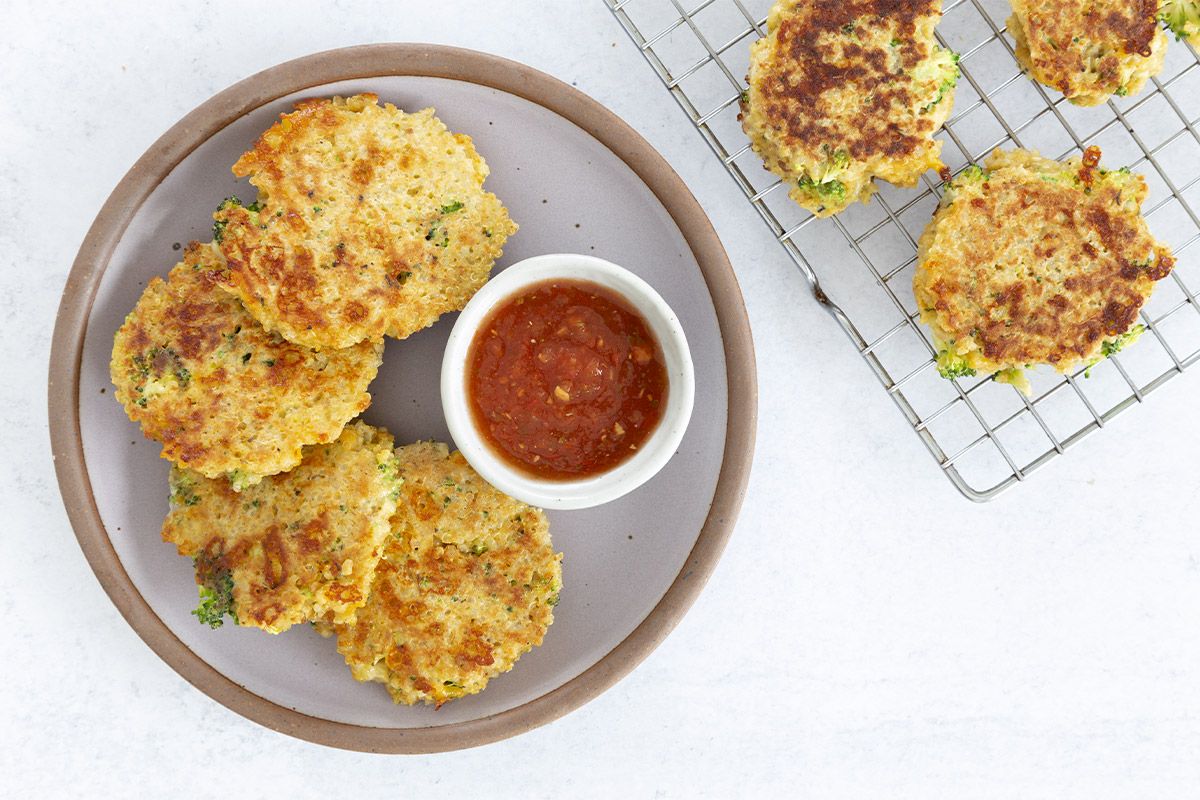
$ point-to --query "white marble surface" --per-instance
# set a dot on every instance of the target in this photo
(868, 633)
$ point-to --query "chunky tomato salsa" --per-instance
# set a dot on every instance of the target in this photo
(565, 380)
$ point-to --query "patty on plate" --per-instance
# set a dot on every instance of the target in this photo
(369, 222)
(222, 395)
(466, 586)
(297, 547)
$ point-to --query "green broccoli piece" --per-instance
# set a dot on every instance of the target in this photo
(183, 491)
(951, 365)
(1183, 18)
(1015, 377)
(218, 228)
(438, 234)
(216, 600)
(239, 479)
(940, 69)
(832, 189)
(825, 190)
(973, 174)
(822, 179)
(1111, 347)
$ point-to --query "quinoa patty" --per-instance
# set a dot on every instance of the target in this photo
(222, 395)
(1089, 49)
(297, 547)
(466, 586)
(369, 222)
(1031, 261)
(844, 91)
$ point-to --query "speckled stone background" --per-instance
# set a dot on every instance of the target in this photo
(869, 633)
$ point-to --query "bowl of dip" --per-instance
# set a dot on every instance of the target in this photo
(567, 381)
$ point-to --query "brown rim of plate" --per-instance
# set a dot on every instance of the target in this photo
(369, 61)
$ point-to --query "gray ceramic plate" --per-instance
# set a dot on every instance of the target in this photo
(576, 179)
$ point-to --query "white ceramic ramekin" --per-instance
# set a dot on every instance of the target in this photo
(626, 476)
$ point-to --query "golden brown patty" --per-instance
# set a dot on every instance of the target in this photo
(369, 221)
(844, 91)
(1089, 49)
(1032, 261)
(222, 395)
(297, 547)
(466, 586)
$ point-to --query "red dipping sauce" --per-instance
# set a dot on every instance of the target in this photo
(565, 380)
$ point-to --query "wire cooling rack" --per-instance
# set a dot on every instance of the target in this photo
(986, 436)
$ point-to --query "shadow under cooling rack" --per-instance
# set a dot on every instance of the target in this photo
(985, 436)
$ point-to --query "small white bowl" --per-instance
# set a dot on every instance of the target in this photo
(654, 453)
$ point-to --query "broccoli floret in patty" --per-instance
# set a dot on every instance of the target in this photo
(827, 191)
(218, 228)
(1183, 18)
(941, 70)
(1115, 345)
(216, 600)
(952, 365)
(972, 174)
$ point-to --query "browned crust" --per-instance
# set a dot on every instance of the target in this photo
(239, 378)
(1129, 24)
(384, 271)
(1057, 31)
(1031, 320)
(280, 137)
(806, 68)
(363, 62)
(299, 546)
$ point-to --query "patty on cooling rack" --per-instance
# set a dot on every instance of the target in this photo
(1183, 18)
(466, 586)
(369, 222)
(296, 547)
(1032, 261)
(844, 91)
(1089, 49)
(222, 395)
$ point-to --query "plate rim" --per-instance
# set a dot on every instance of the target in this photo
(371, 61)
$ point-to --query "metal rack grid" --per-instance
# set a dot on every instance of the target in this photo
(985, 436)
